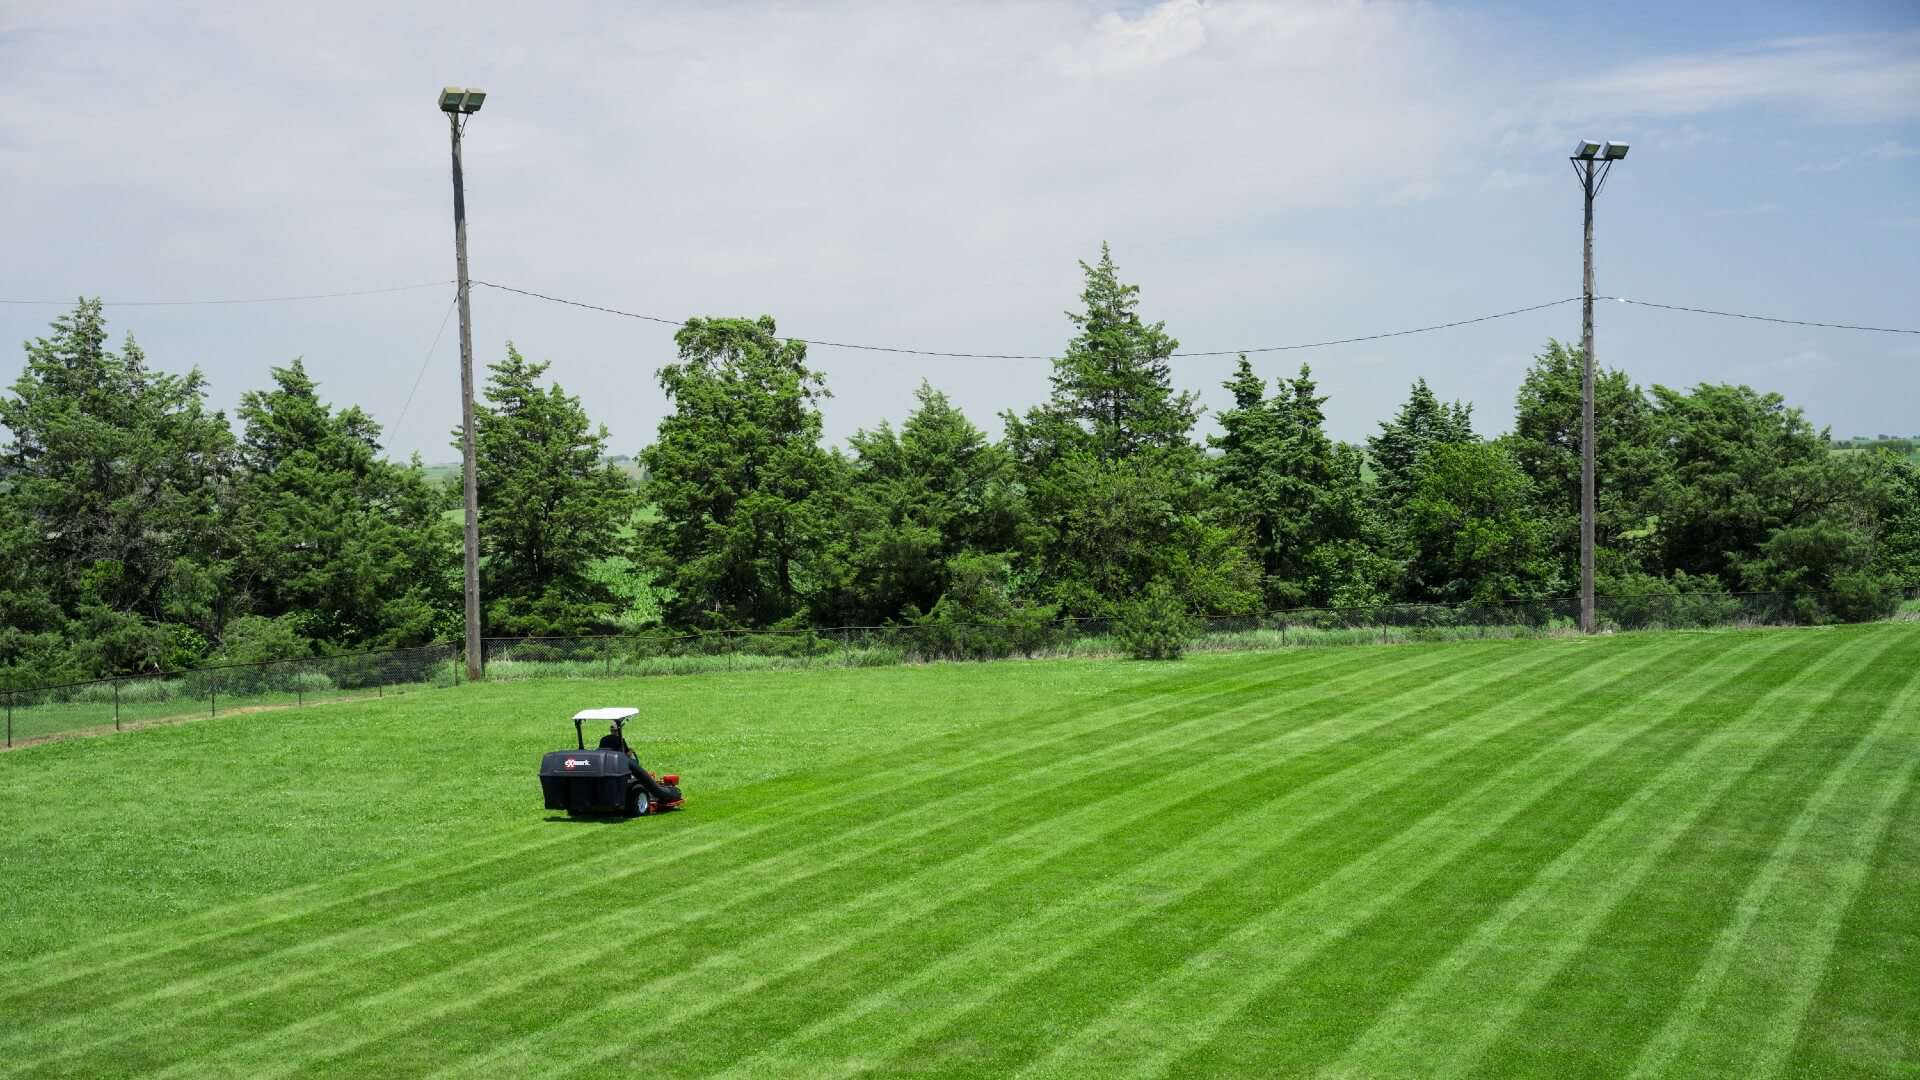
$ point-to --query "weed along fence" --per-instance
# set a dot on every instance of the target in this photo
(37, 713)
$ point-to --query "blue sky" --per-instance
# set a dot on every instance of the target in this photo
(927, 176)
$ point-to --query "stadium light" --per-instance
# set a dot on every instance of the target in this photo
(1585, 150)
(458, 99)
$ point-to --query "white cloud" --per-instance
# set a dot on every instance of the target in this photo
(1893, 151)
(1856, 78)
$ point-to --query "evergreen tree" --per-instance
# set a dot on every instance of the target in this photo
(116, 472)
(912, 501)
(1423, 423)
(1115, 378)
(1117, 490)
(348, 546)
(1278, 470)
(1546, 443)
(1473, 528)
(738, 476)
(551, 505)
(1737, 465)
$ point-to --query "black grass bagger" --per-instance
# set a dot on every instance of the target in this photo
(607, 779)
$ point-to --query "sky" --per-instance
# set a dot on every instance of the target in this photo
(928, 176)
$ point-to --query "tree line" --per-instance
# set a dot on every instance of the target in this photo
(142, 531)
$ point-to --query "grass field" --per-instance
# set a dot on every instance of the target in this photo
(1661, 854)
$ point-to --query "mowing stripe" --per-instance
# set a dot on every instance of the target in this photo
(1865, 1017)
(1096, 909)
(859, 788)
(541, 894)
(1209, 953)
(1565, 903)
(1730, 746)
(1637, 964)
(1215, 989)
(538, 910)
(86, 962)
(1787, 924)
(819, 873)
(1034, 880)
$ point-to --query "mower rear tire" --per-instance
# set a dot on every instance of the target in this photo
(637, 803)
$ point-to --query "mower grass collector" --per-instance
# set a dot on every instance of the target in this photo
(607, 779)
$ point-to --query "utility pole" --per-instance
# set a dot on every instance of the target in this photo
(458, 104)
(1592, 161)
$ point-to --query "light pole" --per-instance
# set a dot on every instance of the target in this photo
(458, 104)
(1592, 161)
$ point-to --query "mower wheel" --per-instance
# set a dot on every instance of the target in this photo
(637, 803)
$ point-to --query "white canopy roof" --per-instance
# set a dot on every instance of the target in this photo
(606, 714)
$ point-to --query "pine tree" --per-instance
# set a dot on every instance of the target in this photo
(348, 546)
(551, 505)
(117, 471)
(1423, 422)
(738, 476)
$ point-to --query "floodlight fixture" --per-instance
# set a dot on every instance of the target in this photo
(458, 99)
(1614, 151)
(1586, 150)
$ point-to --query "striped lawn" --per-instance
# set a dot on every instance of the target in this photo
(1647, 855)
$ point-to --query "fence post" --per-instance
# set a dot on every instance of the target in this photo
(116, 704)
(9, 719)
(213, 695)
(609, 660)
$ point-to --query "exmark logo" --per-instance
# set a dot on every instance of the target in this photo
(571, 762)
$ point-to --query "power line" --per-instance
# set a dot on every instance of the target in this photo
(425, 360)
(1038, 356)
(1760, 318)
(245, 300)
(903, 351)
(1223, 352)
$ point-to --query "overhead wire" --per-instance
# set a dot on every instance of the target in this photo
(946, 354)
(248, 299)
(1040, 356)
(1760, 318)
(427, 359)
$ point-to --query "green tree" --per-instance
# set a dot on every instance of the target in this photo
(738, 476)
(339, 542)
(1546, 443)
(1114, 384)
(913, 500)
(117, 472)
(1118, 493)
(1737, 465)
(1474, 531)
(1423, 423)
(551, 505)
(1301, 496)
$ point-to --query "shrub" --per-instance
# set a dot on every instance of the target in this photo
(1861, 597)
(253, 639)
(1156, 626)
(309, 682)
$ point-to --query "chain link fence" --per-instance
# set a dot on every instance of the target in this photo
(115, 704)
(136, 700)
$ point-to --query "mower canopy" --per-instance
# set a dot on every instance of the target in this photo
(607, 779)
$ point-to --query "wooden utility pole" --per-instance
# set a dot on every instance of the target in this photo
(1587, 621)
(458, 105)
(1592, 161)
